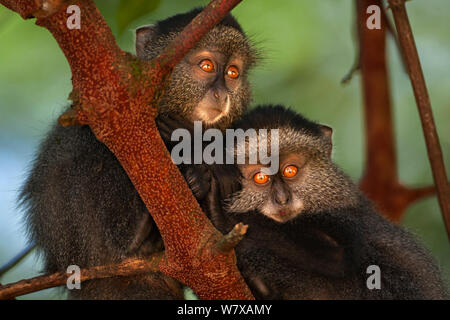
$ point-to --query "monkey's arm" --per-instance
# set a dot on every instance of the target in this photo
(326, 255)
(212, 185)
(79, 203)
(407, 269)
(228, 180)
(167, 123)
(198, 176)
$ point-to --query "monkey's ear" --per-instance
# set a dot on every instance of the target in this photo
(144, 36)
(327, 132)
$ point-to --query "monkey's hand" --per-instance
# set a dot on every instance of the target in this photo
(198, 177)
(167, 123)
(228, 179)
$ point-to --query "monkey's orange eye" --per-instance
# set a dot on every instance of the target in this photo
(207, 65)
(260, 178)
(233, 72)
(290, 171)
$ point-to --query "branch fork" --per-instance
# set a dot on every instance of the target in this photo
(116, 95)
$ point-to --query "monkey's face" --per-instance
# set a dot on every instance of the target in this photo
(275, 195)
(306, 182)
(208, 86)
(307, 179)
(210, 83)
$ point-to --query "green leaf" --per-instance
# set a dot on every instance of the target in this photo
(130, 10)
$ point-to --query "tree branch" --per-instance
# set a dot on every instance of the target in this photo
(117, 96)
(25, 8)
(380, 180)
(128, 267)
(412, 60)
(16, 259)
(230, 240)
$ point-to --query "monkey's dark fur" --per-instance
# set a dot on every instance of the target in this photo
(80, 206)
(324, 249)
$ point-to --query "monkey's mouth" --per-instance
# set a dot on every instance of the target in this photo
(283, 215)
(211, 111)
(214, 112)
(209, 115)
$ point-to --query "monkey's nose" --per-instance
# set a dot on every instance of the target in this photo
(219, 96)
(281, 198)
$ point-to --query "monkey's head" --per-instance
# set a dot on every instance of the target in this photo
(210, 83)
(306, 179)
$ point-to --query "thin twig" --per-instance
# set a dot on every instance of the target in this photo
(424, 105)
(127, 267)
(391, 31)
(16, 259)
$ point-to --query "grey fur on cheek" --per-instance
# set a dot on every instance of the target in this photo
(244, 201)
(325, 187)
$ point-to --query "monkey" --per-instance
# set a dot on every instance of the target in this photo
(311, 233)
(80, 207)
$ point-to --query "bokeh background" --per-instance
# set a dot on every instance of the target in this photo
(308, 45)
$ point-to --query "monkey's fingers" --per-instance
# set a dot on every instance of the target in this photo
(228, 177)
(165, 130)
(176, 121)
(167, 123)
(198, 179)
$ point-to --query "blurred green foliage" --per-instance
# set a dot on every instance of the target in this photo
(308, 48)
(128, 11)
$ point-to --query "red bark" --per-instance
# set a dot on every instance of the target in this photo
(380, 180)
(25, 8)
(116, 94)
